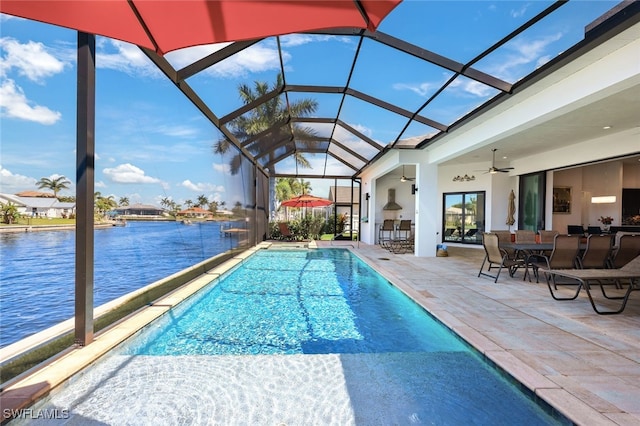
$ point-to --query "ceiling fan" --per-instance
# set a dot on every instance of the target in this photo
(493, 169)
(404, 178)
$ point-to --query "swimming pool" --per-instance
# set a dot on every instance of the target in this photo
(311, 336)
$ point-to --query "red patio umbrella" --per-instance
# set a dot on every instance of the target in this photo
(166, 25)
(307, 200)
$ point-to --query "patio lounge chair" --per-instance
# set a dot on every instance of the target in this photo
(496, 256)
(588, 277)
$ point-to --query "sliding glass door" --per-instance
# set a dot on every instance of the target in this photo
(531, 204)
(463, 217)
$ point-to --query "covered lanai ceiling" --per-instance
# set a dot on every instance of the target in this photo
(338, 99)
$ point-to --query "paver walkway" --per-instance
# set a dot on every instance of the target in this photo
(586, 365)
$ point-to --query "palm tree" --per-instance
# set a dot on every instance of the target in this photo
(9, 212)
(189, 204)
(287, 188)
(213, 206)
(56, 185)
(202, 201)
(123, 202)
(171, 206)
(105, 204)
(166, 202)
(264, 117)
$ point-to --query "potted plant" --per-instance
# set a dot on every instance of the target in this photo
(606, 222)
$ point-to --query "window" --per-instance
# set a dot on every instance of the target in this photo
(463, 217)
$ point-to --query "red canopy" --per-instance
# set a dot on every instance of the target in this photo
(166, 25)
(307, 200)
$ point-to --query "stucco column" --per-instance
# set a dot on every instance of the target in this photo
(428, 210)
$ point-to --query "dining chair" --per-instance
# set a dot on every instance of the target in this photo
(598, 252)
(627, 248)
(504, 237)
(575, 230)
(547, 236)
(564, 255)
(496, 258)
(525, 236)
(594, 230)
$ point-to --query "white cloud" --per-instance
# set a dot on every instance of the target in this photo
(124, 57)
(542, 60)
(183, 57)
(202, 187)
(222, 168)
(128, 173)
(100, 184)
(293, 40)
(422, 89)
(4, 17)
(14, 104)
(517, 13)
(257, 58)
(176, 130)
(31, 60)
(477, 89)
(362, 129)
(10, 182)
(524, 52)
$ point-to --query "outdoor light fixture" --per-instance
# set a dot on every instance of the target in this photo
(608, 199)
(465, 178)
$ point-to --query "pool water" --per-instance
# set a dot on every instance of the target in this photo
(298, 302)
(297, 337)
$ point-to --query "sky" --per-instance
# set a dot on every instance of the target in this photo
(151, 143)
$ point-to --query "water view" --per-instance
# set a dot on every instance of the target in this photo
(38, 268)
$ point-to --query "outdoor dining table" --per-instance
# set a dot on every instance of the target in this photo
(531, 249)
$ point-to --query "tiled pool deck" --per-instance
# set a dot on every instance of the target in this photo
(585, 365)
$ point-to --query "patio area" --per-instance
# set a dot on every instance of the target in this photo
(586, 365)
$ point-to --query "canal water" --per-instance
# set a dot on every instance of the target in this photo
(37, 269)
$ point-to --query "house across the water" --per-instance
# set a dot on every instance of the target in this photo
(39, 204)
